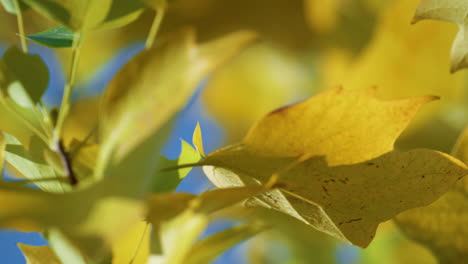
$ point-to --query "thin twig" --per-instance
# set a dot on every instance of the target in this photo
(67, 163)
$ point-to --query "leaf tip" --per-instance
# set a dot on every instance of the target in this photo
(197, 140)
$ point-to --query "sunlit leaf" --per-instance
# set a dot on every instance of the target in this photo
(197, 140)
(57, 37)
(133, 247)
(454, 11)
(39, 254)
(32, 164)
(441, 226)
(334, 154)
(168, 180)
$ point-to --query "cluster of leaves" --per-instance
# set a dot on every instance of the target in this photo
(327, 163)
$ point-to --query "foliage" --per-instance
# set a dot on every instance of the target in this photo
(93, 181)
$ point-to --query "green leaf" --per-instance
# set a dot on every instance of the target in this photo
(80, 15)
(166, 181)
(10, 6)
(441, 226)
(29, 70)
(451, 11)
(31, 164)
(38, 254)
(122, 12)
(57, 37)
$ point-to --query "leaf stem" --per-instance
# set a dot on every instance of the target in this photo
(19, 18)
(158, 18)
(65, 106)
(67, 164)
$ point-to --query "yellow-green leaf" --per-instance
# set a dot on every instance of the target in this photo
(148, 83)
(32, 164)
(333, 152)
(167, 180)
(179, 215)
(454, 11)
(208, 249)
(441, 226)
(39, 254)
(197, 140)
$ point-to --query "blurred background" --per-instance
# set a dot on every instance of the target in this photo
(306, 46)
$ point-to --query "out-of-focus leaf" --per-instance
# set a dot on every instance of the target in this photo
(441, 226)
(390, 246)
(208, 249)
(334, 154)
(197, 140)
(80, 15)
(38, 255)
(155, 4)
(52, 9)
(19, 95)
(323, 15)
(64, 248)
(27, 69)
(86, 219)
(2, 151)
(406, 60)
(121, 13)
(454, 11)
(275, 20)
(10, 6)
(183, 215)
(146, 85)
(261, 79)
(31, 164)
(133, 247)
(57, 37)
(166, 181)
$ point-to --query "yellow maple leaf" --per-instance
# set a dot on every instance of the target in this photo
(441, 226)
(333, 152)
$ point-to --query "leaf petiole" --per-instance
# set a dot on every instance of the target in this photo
(19, 18)
(160, 12)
